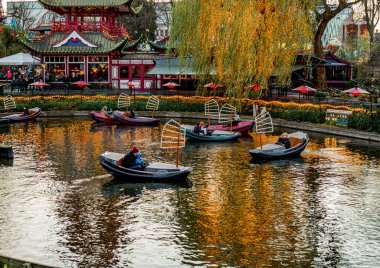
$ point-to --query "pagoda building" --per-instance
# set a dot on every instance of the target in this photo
(88, 44)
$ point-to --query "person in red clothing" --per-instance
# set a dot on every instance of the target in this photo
(129, 160)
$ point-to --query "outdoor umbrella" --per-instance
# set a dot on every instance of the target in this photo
(39, 84)
(130, 84)
(356, 91)
(19, 59)
(303, 90)
(171, 85)
(80, 83)
(254, 87)
(213, 85)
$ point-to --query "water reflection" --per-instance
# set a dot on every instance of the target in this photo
(61, 208)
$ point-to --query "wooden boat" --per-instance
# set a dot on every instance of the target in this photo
(6, 151)
(4, 123)
(216, 135)
(275, 151)
(16, 118)
(137, 121)
(102, 118)
(243, 126)
(155, 172)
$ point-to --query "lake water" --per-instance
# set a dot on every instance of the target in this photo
(59, 207)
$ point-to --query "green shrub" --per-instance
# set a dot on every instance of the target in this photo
(290, 112)
(365, 122)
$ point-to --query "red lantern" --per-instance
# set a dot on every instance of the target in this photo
(303, 91)
(12, 35)
(1, 30)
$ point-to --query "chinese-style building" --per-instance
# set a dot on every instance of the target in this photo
(338, 71)
(88, 44)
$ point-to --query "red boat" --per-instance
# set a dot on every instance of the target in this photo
(102, 118)
(243, 126)
(16, 118)
(136, 121)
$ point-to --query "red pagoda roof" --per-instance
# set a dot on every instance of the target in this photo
(73, 43)
(132, 6)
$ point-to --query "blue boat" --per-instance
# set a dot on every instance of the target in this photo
(216, 135)
(155, 172)
(275, 151)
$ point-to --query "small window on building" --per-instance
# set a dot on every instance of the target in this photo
(136, 73)
(124, 72)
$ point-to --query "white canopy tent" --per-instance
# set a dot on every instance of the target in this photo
(19, 59)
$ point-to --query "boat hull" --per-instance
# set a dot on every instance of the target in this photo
(17, 118)
(150, 175)
(280, 153)
(215, 137)
(102, 118)
(243, 126)
(6, 151)
(137, 121)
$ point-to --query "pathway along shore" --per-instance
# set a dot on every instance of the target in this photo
(325, 129)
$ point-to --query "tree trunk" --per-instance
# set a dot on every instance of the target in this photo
(318, 52)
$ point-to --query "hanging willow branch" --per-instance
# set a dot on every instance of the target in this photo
(241, 42)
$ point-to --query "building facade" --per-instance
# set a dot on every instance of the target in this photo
(88, 44)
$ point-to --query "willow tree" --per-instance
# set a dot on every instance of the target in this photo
(241, 42)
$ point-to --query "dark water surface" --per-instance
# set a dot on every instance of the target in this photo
(58, 207)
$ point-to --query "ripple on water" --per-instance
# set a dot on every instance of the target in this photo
(59, 206)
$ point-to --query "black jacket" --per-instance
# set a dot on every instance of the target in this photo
(129, 160)
(285, 142)
(132, 114)
(197, 129)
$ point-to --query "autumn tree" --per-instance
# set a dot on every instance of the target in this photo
(8, 46)
(144, 23)
(241, 42)
(371, 16)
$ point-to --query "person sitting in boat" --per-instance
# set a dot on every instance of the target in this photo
(139, 160)
(26, 111)
(110, 111)
(132, 113)
(197, 128)
(284, 140)
(235, 120)
(104, 110)
(129, 160)
(204, 131)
